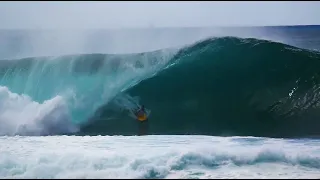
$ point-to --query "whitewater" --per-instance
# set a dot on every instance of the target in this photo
(220, 107)
(158, 157)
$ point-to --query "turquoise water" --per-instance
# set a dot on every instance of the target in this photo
(193, 88)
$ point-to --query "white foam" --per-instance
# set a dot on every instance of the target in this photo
(157, 157)
(20, 115)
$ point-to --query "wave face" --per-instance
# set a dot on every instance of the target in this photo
(219, 86)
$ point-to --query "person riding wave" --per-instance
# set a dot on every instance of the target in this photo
(141, 114)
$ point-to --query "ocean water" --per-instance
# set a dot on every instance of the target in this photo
(223, 103)
(158, 157)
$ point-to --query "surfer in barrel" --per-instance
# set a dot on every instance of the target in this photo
(141, 114)
(142, 117)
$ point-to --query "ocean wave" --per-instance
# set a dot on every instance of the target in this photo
(218, 86)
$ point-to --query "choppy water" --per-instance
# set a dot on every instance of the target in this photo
(158, 157)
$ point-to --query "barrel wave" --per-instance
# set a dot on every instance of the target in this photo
(218, 86)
